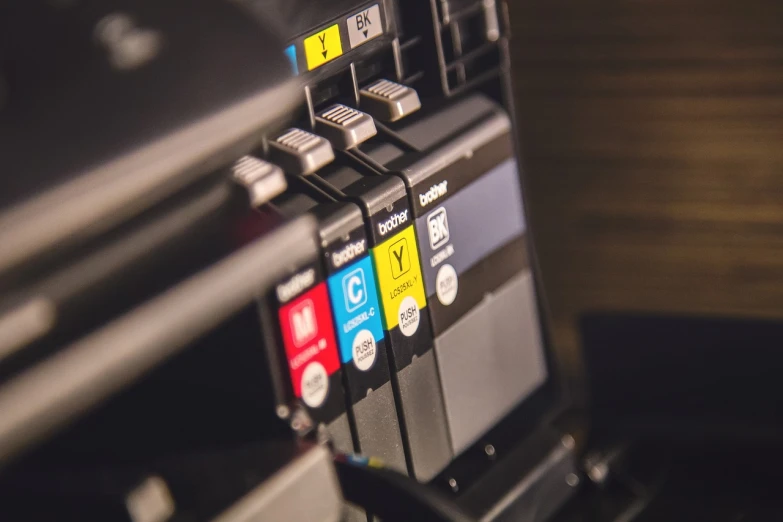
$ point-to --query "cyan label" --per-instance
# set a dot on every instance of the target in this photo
(356, 311)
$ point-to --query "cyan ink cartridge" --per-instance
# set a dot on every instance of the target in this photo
(358, 321)
(466, 201)
(395, 259)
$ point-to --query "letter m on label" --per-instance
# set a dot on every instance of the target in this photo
(304, 326)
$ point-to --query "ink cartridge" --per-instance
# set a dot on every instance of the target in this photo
(466, 201)
(357, 317)
(299, 333)
(392, 240)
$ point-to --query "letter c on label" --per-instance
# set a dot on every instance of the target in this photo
(354, 295)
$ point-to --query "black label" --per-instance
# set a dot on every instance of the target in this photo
(298, 283)
(360, 381)
(403, 348)
(389, 221)
(344, 251)
(426, 194)
(334, 404)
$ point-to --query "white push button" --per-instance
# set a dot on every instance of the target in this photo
(262, 179)
(300, 152)
(345, 127)
(389, 101)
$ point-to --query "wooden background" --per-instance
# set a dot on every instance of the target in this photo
(652, 136)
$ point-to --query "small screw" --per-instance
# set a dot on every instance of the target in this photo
(572, 479)
(453, 485)
(489, 449)
(283, 412)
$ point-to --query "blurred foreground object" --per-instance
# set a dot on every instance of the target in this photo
(115, 122)
(110, 107)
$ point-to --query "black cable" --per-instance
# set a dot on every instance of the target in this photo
(393, 496)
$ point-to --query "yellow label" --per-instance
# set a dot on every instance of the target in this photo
(399, 275)
(322, 47)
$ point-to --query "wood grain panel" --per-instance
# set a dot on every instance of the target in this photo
(652, 140)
